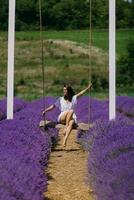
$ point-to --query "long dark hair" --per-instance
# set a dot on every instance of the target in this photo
(70, 93)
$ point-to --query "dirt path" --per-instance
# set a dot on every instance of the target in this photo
(67, 172)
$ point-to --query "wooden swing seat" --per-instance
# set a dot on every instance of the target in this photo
(53, 124)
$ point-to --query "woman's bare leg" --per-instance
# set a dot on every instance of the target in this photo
(69, 117)
(66, 117)
(68, 130)
(63, 121)
(63, 118)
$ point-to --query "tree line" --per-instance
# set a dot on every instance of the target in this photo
(66, 14)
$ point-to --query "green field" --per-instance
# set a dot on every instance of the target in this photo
(99, 37)
(65, 61)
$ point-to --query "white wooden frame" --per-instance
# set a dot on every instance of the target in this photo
(10, 71)
(112, 60)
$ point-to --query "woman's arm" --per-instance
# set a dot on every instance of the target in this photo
(48, 109)
(83, 91)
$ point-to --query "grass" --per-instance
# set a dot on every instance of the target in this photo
(99, 37)
(64, 62)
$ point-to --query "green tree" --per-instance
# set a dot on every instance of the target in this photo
(125, 70)
(3, 14)
(66, 14)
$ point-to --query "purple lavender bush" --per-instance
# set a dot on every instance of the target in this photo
(86, 138)
(125, 104)
(111, 150)
(25, 149)
(24, 153)
(110, 164)
(98, 109)
(18, 105)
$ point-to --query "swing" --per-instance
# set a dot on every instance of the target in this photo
(51, 124)
(45, 124)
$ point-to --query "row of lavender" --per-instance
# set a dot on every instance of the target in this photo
(18, 105)
(24, 149)
(111, 150)
(24, 152)
(124, 105)
(100, 109)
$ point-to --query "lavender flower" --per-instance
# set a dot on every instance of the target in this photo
(25, 149)
(24, 153)
(125, 104)
(18, 105)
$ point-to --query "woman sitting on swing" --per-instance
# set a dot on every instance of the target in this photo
(67, 104)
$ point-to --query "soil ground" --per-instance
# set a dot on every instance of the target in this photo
(67, 172)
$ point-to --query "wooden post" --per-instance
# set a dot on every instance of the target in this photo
(112, 60)
(10, 71)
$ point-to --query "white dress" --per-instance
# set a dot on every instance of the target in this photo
(64, 106)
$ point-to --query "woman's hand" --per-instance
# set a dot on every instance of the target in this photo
(83, 91)
(44, 112)
(48, 109)
(89, 86)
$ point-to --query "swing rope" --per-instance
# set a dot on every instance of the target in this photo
(90, 60)
(89, 55)
(42, 54)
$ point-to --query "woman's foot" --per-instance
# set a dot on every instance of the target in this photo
(64, 131)
(64, 142)
(63, 145)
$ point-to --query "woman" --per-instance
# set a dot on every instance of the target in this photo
(67, 105)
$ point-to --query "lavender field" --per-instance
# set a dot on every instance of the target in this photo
(24, 152)
(25, 149)
(111, 150)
